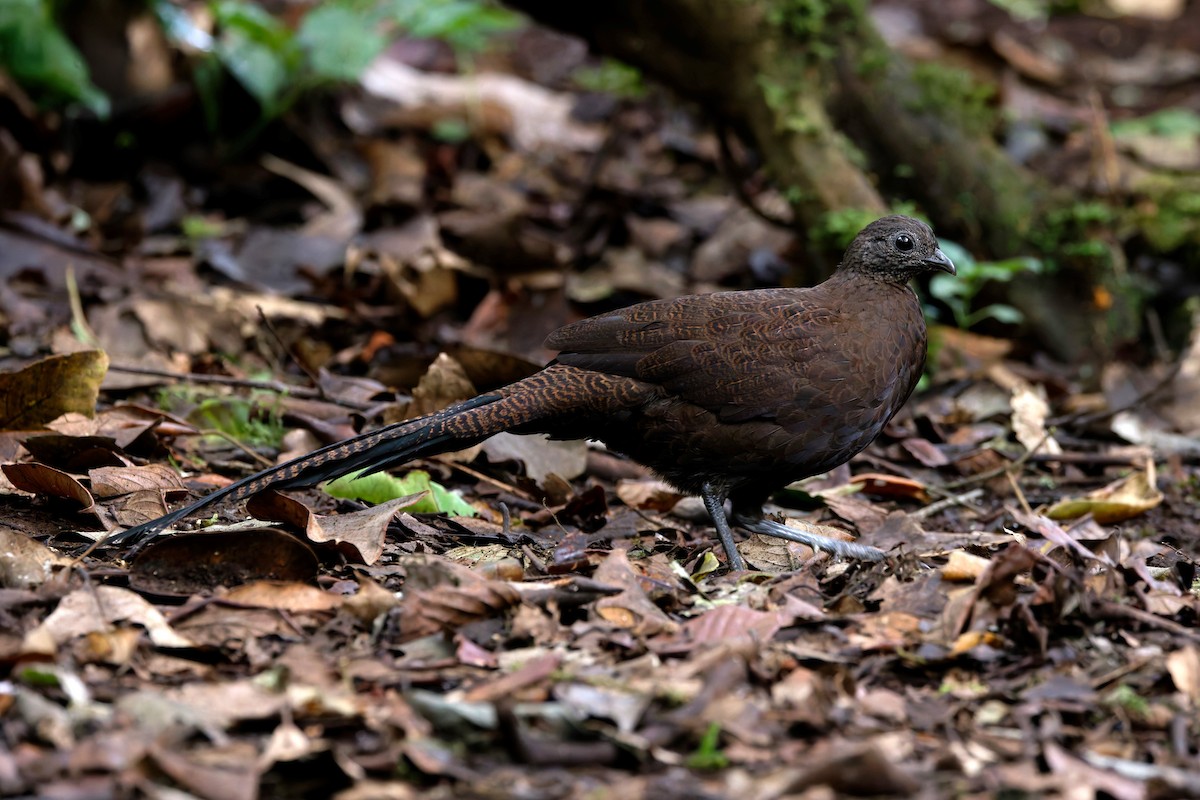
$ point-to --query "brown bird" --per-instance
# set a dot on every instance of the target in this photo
(729, 396)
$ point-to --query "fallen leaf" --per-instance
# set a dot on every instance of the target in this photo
(1117, 502)
(47, 389)
(26, 563)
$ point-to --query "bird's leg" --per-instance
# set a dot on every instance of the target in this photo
(714, 501)
(757, 523)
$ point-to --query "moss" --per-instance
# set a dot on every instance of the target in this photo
(820, 27)
(951, 90)
(835, 229)
(1171, 220)
(1070, 233)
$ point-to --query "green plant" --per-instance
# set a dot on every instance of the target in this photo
(1126, 698)
(334, 42)
(1025, 10)
(381, 487)
(254, 421)
(468, 26)
(37, 54)
(958, 292)
(708, 755)
(836, 229)
(612, 77)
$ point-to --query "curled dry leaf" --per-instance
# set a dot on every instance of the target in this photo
(360, 535)
(962, 566)
(97, 609)
(446, 595)
(632, 608)
(40, 479)
(1114, 503)
(881, 485)
(1029, 413)
(648, 495)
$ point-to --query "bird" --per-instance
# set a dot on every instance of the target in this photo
(730, 395)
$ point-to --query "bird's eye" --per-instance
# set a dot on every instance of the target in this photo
(904, 242)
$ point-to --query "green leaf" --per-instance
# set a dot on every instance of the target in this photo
(961, 256)
(708, 755)
(466, 25)
(381, 487)
(241, 419)
(999, 312)
(339, 42)
(1168, 122)
(947, 288)
(257, 50)
(37, 54)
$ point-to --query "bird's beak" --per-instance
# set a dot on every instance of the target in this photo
(941, 262)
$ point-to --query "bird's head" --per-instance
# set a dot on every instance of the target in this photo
(897, 249)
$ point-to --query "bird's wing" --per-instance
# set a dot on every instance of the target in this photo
(741, 355)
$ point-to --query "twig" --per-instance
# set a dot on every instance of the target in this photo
(947, 502)
(1118, 611)
(271, 329)
(266, 462)
(78, 318)
(298, 392)
(1016, 487)
(1015, 466)
(485, 478)
(1088, 419)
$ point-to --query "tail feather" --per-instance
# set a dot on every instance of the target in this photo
(372, 452)
(560, 400)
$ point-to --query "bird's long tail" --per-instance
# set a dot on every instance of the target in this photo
(453, 428)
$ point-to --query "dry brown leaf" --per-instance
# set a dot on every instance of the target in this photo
(138, 507)
(47, 389)
(283, 596)
(445, 595)
(648, 495)
(43, 480)
(881, 485)
(370, 601)
(360, 534)
(230, 776)
(541, 455)
(97, 609)
(191, 563)
(1029, 413)
(1184, 667)
(632, 608)
(115, 481)
(732, 624)
(538, 117)
(963, 566)
(25, 563)
(1117, 502)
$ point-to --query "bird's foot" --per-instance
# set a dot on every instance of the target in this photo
(836, 547)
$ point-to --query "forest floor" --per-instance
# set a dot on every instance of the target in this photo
(174, 318)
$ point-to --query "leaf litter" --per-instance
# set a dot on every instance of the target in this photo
(568, 628)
